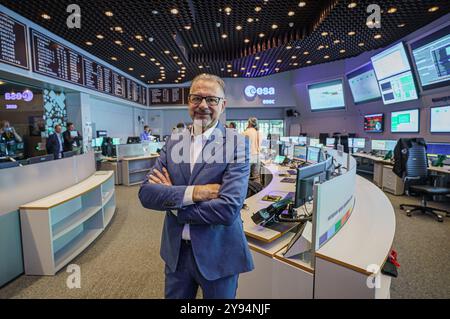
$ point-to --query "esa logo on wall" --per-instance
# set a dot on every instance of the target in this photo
(251, 92)
(26, 96)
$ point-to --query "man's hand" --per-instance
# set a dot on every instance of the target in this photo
(160, 178)
(203, 193)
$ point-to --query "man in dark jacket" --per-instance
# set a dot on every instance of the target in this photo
(71, 138)
(55, 143)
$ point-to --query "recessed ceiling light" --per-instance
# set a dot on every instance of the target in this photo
(229, 66)
(266, 64)
(195, 45)
(326, 57)
(250, 20)
(139, 37)
(235, 75)
(118, 29)
(229, 71)
(167, 52)
(161, 67)
(118, 42)
(46, 16)
(257, 58)
(183, 68)
(228, 10)
(152, 59)
(238, 27)
(175, 57)
(352, 5)
(142, 54)
(242, 69)
(305, 53)
(377, 36)
(157, 63)
(131, 49)
(320, 47)
(179, 63)
(289, 47)
(295, 64)
(351, 33)
(324, 34)
(152, 82)
(109, 13)
(142, 76)
(277, 69)
(257, 9)
(279, 61)
(336, 41)
(187, 27)
(99, 36)
(248, 73)
(392, 10)
(224, 36)
(401, 25)
(130, 69)
(294, 57)
(200, 66)
(301, 4)
(155, 12)
(246, 40)
(308, 62)
(274, 26)
(291, 13)
(361, 44)
(433, 9)
(89, 43)
(174, 11)
(113, 58)
(342, 51)
(262, 35)
(253, 66)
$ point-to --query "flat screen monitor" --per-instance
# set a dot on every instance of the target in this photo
(431, 57)
(73, 134)
(364, 85)
(383, 145)
(393, 72)
(359, 143)
(405, 121)
(326, 96)
(313, 155)
(279, 159)
(102, 133)
(435, 149)
(302, 140)
(40, 159)
(265, 144)
(300, 152)
(314, 141)
(440, 119)
(97, 142)
(285, 139)
(374, 123)
(133, 140)
(116, 140)
(330, 141)
(306, 177)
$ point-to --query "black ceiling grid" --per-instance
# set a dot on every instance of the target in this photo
(317, 32)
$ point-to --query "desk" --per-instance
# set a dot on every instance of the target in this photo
(378, 164)
(340, 268)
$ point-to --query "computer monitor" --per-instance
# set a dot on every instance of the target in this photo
(359, 143)
(102, 133)
(306, 177)
(97, 142)
(302, 140)
(265, 144)
(73, 134)
(279, 159)
(313, 142)
(330, 141)
(133, 140)
(300, 152)
(285, 139)
(313, 155)
(383, 145)
(116, 140)
(41, 159)
(69, 154)
(4, 165)
(435, 149)
(440, 119)
(295, 140)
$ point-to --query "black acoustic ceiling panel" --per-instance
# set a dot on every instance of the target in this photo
(150, 42)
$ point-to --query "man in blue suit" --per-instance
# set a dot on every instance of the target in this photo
(200, 180)
(55, 143)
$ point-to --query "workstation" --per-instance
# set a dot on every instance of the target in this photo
(353, 134)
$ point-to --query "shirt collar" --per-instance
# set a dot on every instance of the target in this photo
(207, 134)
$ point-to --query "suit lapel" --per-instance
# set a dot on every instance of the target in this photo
(216, 149)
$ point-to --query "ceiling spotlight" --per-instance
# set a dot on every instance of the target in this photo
(288, 47)
(377, 36)
(261, 35)
(253, 66)
(336, 41)
(433, 9)
(274, 26)
(167, 52)
(155, 12)
(291, 24)
(352, 5)
(187, 27)
(157, 63)
(301, 4)
(235, 75)
(142, 54)
(279, 61)
(324, 34)
(99, 36)
(151, 39)
(295, 64)
(195, 45)
(218, 24)
(392, 10)
(291, 13)
(113, 58)
(228, 10)
(257, 9)
(131, 49)
(246, 40)
(224, 36)
(305, 53)
(277, 69)
(326, 57)
(342, 51)
(401, 25)
(309, 62)
(175, 57)
(142, 76)
(351, 33)
(118, 29)
(89, 43)
(174, 11)
(238, 27)
(250, 20)
(361, 44)
(294, 57)
(139, 37)
(109, 13)
(118, 42)
(46, 16)
(266, 64)
(130, 69)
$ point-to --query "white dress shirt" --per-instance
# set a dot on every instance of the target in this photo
(197, 144)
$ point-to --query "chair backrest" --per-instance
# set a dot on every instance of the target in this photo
(253, 188)
(416, 164)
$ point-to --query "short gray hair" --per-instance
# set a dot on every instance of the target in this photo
(209, 77)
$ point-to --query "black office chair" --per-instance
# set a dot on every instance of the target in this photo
(253, 188)
(417, 181)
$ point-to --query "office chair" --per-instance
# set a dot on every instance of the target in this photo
(416, 179)
(253, 188)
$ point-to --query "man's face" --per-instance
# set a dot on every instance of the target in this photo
(71, 127)
(58, 129)
(204, 114)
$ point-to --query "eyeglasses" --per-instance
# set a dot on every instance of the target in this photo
(210, 100)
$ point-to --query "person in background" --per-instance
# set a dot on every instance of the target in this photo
(147, 134)
(254, 135)
(181, 127)
(72, 138)
(9, 134)
(232, 125)
(55, 143)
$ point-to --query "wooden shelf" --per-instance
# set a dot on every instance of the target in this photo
(73, 221)
(75, 247)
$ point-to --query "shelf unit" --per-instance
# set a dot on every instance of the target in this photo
(135, 169)
(57, 228)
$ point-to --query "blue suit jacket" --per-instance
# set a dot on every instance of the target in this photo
(53, 146)
(217, 236)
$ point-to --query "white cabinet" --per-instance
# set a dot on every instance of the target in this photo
(135, 169)
(391, 182)
(57, 228)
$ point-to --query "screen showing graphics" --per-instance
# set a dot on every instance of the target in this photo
(394, 75)
(314, 141)
(313, 154)
(432, 59)
(299, 152)
(326, 96)
(330, 141)
(435, 149)
(364, 85)
(405, 121)
(383, 145)
(374, 123)
(440, 119)
(302, 140)
(359, 142)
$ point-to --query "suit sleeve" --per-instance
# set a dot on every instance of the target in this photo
(225, 209)
(161, 197)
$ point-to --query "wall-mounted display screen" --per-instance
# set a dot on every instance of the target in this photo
(432, 59)
(440, 119)
(326, 96)
(364, 85)
(405, 121)
(394, 75)
(383, 145)
(374, 123)
(13, 42)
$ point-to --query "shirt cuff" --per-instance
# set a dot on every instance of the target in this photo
(188, 199)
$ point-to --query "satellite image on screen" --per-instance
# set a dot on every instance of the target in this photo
(374, 123)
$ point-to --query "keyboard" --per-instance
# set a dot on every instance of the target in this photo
(289, 180)
(292, 172)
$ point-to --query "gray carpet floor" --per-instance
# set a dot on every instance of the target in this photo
(124, 261)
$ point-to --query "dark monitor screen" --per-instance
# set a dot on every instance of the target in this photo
(306, 177)
(40, 159)
(102, 133)
(300, 152)
(435, 149)
(133, 140)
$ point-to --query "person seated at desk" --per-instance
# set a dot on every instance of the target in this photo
(72, 138)
(147, 134)
(55, 143)
(9, 137)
